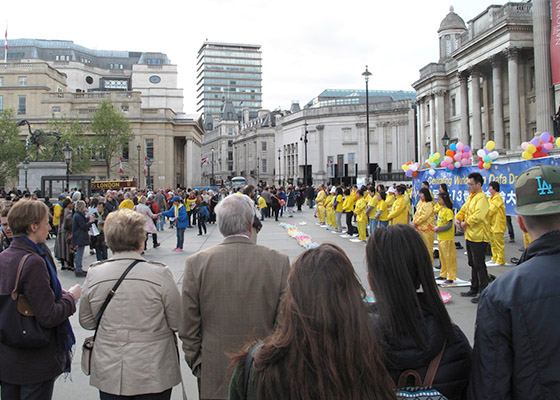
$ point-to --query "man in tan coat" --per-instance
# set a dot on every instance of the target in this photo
(231, 293)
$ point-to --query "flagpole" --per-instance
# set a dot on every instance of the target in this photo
(6, 44)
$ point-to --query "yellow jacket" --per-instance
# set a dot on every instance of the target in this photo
(373, 203)
(349, 203)
(339, 204)
(444, 216)
(424, 217)
(399, 211)
(190, 204)
(390, 200)
(381, 206)
(329, 202)
(320, 199)
(497, 214)
(437, 208)
(360, 210)
(56, 213)
(126, 204)
(475, 213)
(262, 203)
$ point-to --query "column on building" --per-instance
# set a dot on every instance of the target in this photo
(421, 134)
(321, 170)
(498, 115)
(189, 167)
(543, 78)
(476, 112)
(440, 123)
(432, 125)
(463, 79)
(512, 54)
(395, 147)
(382, 145)
(362, 152)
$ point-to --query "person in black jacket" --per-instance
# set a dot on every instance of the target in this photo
(80, 236)
(517, 346)
(414, 326)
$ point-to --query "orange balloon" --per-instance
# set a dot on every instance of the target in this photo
(415, 174)
(449, 153)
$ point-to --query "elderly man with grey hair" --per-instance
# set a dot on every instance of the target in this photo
(230, 292)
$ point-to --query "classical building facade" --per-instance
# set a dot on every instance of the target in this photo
(487, 84)
(46, 79)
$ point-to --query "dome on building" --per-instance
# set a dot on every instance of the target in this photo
(452, 21)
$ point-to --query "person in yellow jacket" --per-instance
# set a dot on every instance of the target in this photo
(320, 200)
(360, 212)
(407, 199)
(331, 219)
(446, 239)
(57, 211)
(497, 212)
(262, 206)
(437, 205)
(399, 211)
(424, 220)
(473, 219)
(348, 209)
(338, 204)
(390, 198)
(381, 210)
(127, 202)
(371, 209)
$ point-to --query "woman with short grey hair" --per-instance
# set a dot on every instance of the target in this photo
(135, 354)
(235, 215)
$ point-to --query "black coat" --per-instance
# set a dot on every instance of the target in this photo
(452, 375)
(517, 340)
(80, 228)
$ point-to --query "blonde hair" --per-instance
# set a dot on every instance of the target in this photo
(80, 205)
(23, 214)
(124, 230)
(142, 200)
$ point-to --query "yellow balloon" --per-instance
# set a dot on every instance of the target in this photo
(487, 165)
(404, 167)
(490, 145)
(526, 155)
(531, 149)
(558, 142)
(437, 155)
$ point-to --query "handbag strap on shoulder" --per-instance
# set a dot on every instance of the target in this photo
(110, 296)
(433, 367)
(18, 274)
(247, 366)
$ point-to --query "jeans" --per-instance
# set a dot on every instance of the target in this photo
(100, 249)
(476, 253)
(310, 203)
(382, 223)
(78, 258)
(511, 232)
(36, 391)
(160, 222)
(338, 218)
(180, 237)
(165, 395)
(372, 225)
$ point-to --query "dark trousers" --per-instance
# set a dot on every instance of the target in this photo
(180, 237)
(476, 252)
(165, 395)
(351, 228)
(100, 249)
(37, 391)
(154, 239)
(511, 232)
(201, 224)
(276, 211)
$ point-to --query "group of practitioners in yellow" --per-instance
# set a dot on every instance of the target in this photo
(377, 206)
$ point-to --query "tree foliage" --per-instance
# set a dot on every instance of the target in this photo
(112, 133)
(12, 147)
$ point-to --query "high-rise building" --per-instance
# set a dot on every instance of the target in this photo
(229, 73)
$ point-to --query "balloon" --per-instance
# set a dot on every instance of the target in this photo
(531, 149)
(558, 142)
(453, 147)
(487, 165)
(460, 146)
(481, 165)
(414, 167)
(409, 173)
(526, 155)
(494, 155)
(415, 174)
(437, 156)
(535, 141)
(449, 153)
(432, 172)
(547, 146)
(481, 153)
(465, 161)
(465, 156)
(457, 157)
(458, 164)
(466, 149)
(490, 145)
(486, 158)
(451, 167)
(545, 137)
(524, 145)
(448, 160)
(404, 167)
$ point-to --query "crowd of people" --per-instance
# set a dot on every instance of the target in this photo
(252, 326)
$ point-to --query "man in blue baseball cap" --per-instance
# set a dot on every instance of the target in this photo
(517, 346)
(179, 213)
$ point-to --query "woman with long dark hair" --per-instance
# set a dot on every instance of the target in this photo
(424, 220)
(325, 348)
(409, 314)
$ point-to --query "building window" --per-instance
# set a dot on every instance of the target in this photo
(230, 143)
(1, 81)
(263, 164)
(150, 148)
(1, 103)
(230, 131)
(22, 81)
(125, 152)
(263, 146)
(453, 107)
(230, 155)
(22, 102)
(116, 84)
(56, 109)
(427, 113)
(124, 108)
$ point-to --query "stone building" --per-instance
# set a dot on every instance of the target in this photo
(488, 83)
(44, 78)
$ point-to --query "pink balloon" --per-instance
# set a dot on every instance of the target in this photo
(465, 161)
(460, 146)
(465, 156)
(448, 160)
(524, 145)
(451, 167)
(547, 146)
(457, 157)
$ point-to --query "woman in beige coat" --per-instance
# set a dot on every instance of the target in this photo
(135, 351)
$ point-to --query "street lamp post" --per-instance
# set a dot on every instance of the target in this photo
(25, 167)
(138, 147)
(366, 74)
(304, 138)
(258, 180)
(212, 181)
(279, 169)
(149, 163)
(445, 141)
(67, 151)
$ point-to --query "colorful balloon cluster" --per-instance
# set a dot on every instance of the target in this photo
(487, 155)
(457, 156)
(411, 169)
(538, 147)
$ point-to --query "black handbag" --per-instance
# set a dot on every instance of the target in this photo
(18, 325)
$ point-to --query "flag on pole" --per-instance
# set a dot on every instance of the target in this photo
(145, 165)
(121, 170)
(6, 45)
(204, 161)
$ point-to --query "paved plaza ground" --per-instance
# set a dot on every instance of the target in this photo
(462, 311)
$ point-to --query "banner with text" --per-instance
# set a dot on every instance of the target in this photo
(351, 164)
(555, 42)
(456, 180)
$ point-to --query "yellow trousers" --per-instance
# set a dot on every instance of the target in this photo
(321, 214)
(526, 239)
(362, 230)
(428, 238)
(498, 248)
(448, 258)
(331, 219)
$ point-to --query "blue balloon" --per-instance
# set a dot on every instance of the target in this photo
(453, 146)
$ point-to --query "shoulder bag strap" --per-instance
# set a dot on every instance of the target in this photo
(432, 368)
(18, 274)
(110, 296)
(247, 366)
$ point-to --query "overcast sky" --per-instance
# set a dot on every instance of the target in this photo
(307, 45)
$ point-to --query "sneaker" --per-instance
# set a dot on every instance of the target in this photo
(177, 249)
(330, 228)
(470, 293)
(345, 236)
(512, 240)
(493, 264)
(157, 245)
(448, 282)
(81, 274)
(199, 234)
(475, 299)
(440, 278)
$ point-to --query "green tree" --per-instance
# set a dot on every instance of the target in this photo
(12, 147)
(112, 133)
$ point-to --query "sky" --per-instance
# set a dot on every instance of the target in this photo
(307, 45)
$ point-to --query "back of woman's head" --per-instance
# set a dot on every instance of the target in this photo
(325, 347)
(396, 272)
